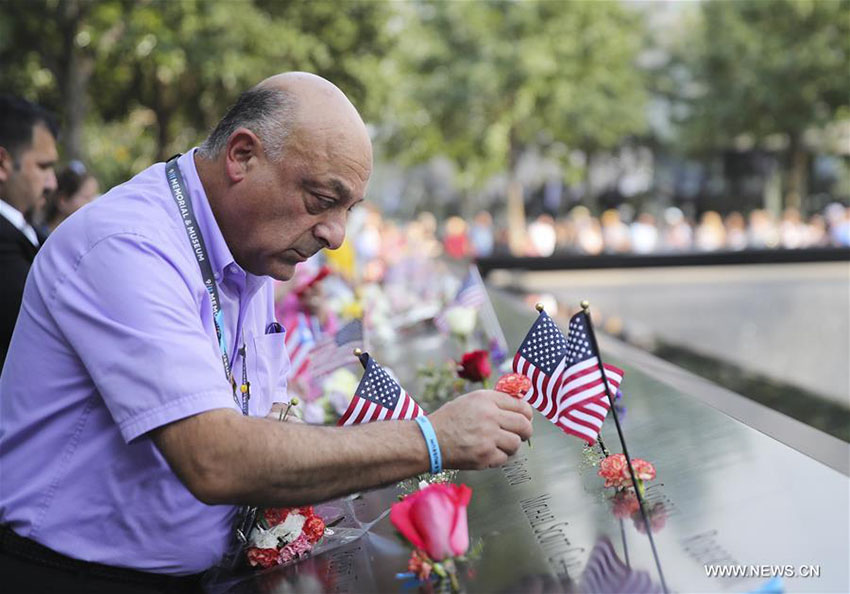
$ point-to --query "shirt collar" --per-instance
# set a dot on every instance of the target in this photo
(16, 217)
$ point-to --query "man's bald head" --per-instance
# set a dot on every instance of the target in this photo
(287, 103)
(283, 169)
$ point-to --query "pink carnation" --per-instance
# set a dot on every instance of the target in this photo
(615, 471)
(295, 549)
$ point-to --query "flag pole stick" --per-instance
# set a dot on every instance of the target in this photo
(585, 306)
(602, 447)
(362, 357)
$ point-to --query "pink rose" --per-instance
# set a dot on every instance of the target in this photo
(434, 519)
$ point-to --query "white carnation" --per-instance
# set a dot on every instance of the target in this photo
(282, 533)
(461, 320)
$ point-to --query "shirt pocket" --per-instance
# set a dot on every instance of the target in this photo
(271, 366)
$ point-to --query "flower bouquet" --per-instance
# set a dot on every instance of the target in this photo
(281, 535)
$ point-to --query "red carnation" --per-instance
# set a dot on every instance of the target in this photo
(474, 366)
(263, 557)
(275, 515)
(314, 528)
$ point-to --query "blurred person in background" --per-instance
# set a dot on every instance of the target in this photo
(455, 240)
(588, 232)
(27, 157)
(678, 234)
(615, 233)
(838, 224)
(542, 237)
(736, 231)
(481, 235)
(367, 245)
(644, 234)
(565, 235)
(430, 244)
(75, 187)
(792, 230)
(816, 235)
(710, 234)
(762, 232)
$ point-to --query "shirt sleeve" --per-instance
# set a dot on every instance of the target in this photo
(131, 315)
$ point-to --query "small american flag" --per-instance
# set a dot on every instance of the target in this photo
(299, 342)
(334, 351)
(566, 386)
(582, 401)
(470, 294)
(378, 398)
(541, 358)
(605, 573)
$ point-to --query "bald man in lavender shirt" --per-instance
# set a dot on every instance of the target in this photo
(124, 452)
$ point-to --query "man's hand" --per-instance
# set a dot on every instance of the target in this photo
(481, 429)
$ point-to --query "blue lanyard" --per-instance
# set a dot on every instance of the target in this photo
(199, 248)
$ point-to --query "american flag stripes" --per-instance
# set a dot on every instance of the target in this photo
(334, 350)
(541, 358)
(299, 342)
(470, 294)
(567, 387)
(378, 398)
(583, 401)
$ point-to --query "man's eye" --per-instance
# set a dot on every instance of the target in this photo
(324, 201)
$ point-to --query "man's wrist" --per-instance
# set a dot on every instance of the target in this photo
(430, 436)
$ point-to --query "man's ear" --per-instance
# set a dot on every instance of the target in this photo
(6, 165)
(241, 152)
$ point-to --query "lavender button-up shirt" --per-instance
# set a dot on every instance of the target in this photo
(116, 338)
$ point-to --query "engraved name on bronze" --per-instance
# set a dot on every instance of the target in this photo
(551, 535)
(341, 569)
(516, 471)
(705, 550)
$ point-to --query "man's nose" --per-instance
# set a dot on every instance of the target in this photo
(331, 231)
(50, 181)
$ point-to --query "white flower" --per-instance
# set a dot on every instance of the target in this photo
(341, 381)
(461, 320)
(283, 533)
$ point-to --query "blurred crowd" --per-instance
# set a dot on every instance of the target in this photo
(616, 231)
(622, 231)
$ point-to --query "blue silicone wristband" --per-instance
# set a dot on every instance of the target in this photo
(431, 442)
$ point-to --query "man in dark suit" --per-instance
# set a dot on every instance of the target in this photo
(27, 156)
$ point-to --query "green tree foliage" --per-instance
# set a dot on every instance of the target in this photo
(763, 69)
(159, 74)
(483, 81)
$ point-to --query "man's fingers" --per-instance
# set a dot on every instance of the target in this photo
(510, 403)
(515, 423)
(508, 442)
